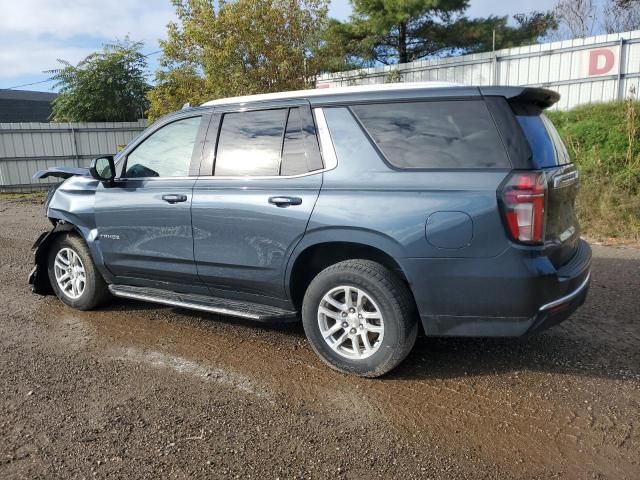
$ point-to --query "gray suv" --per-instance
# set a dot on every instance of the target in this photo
(365, 211)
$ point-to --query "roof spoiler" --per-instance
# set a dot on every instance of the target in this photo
(540, 97)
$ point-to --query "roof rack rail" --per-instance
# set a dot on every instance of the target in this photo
(331, 91)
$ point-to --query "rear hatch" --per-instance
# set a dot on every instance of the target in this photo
(550, 156)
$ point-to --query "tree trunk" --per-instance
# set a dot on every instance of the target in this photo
(402, 43)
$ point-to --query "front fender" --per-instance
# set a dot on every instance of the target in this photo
(71, 208)
(38, 276)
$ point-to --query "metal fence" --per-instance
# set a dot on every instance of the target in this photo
(26, 148)
(583, 70)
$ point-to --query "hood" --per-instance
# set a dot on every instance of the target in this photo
(61, 172)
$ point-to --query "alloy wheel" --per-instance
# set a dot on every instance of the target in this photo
(350, 322)
(69, 272)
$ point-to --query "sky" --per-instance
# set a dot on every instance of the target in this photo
(34, 33)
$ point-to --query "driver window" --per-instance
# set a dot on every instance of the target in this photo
(166, 153)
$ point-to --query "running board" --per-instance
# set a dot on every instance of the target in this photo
(222, 306)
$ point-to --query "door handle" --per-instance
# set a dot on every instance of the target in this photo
(174, 197)
(285, 201)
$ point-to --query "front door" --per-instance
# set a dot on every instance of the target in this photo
(144, 218)
(252, 212)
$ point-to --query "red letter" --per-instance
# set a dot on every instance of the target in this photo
(594, 57)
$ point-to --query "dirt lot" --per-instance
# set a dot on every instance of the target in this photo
(139, 391)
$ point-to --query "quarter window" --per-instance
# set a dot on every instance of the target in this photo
(436, 134)
(166, 153)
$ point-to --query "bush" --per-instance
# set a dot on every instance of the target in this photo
(602, 140)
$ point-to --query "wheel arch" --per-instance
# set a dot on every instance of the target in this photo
(39, 278)
(314, 255)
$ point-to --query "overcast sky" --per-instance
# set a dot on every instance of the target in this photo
(34, 33)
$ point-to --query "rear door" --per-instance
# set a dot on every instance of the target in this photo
(550, 155)
(259, 183)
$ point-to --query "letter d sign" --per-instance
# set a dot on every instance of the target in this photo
(601, 61)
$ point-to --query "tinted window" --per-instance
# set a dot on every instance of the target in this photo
(250, 143)
(166, 153)
(562, 156)
(546, 145)
(295, 154)
(439, 134)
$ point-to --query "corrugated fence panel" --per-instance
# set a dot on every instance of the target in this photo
(26, 148)
(584, 70)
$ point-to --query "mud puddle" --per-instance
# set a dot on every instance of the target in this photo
(497, 415)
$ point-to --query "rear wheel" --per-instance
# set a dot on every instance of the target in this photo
(73, 275)
(359, 318)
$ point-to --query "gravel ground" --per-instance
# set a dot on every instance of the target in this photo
(140, 391)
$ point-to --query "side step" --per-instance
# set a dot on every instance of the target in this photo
(222, 306)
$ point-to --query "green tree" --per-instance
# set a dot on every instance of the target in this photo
(107, 86)
(241, 47)
(400, 31)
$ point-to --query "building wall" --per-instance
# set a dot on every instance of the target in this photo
(24, 111)
(25, 106)
(584, 70)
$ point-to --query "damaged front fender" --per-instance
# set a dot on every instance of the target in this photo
(71, 208)
(39, 276)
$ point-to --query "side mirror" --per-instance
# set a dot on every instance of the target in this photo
(103, 169)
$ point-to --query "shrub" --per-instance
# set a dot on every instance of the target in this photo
(603, 142)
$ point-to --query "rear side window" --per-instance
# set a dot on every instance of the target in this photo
(545, 142)
(438, 134)
(267, 143)
(250, 143)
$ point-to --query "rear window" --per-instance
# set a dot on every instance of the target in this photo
(437, 134)
(545, 142)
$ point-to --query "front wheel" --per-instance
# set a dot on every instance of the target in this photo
(73, 275)
(359, 318)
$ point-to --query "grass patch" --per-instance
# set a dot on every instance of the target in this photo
(603, 142)
(23, 195)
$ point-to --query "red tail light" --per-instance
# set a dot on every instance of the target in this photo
(523, 198)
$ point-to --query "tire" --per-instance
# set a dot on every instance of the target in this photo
(390, 337)
(85, 295)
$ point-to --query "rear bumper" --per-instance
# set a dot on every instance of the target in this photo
(559, 310)
(515, 294)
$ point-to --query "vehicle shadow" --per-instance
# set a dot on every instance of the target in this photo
(291, 328)
(126, 305)
(601, 339)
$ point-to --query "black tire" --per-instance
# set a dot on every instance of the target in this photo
(394, 301)
(95, 290)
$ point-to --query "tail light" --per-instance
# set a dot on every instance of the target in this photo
(523, 198)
